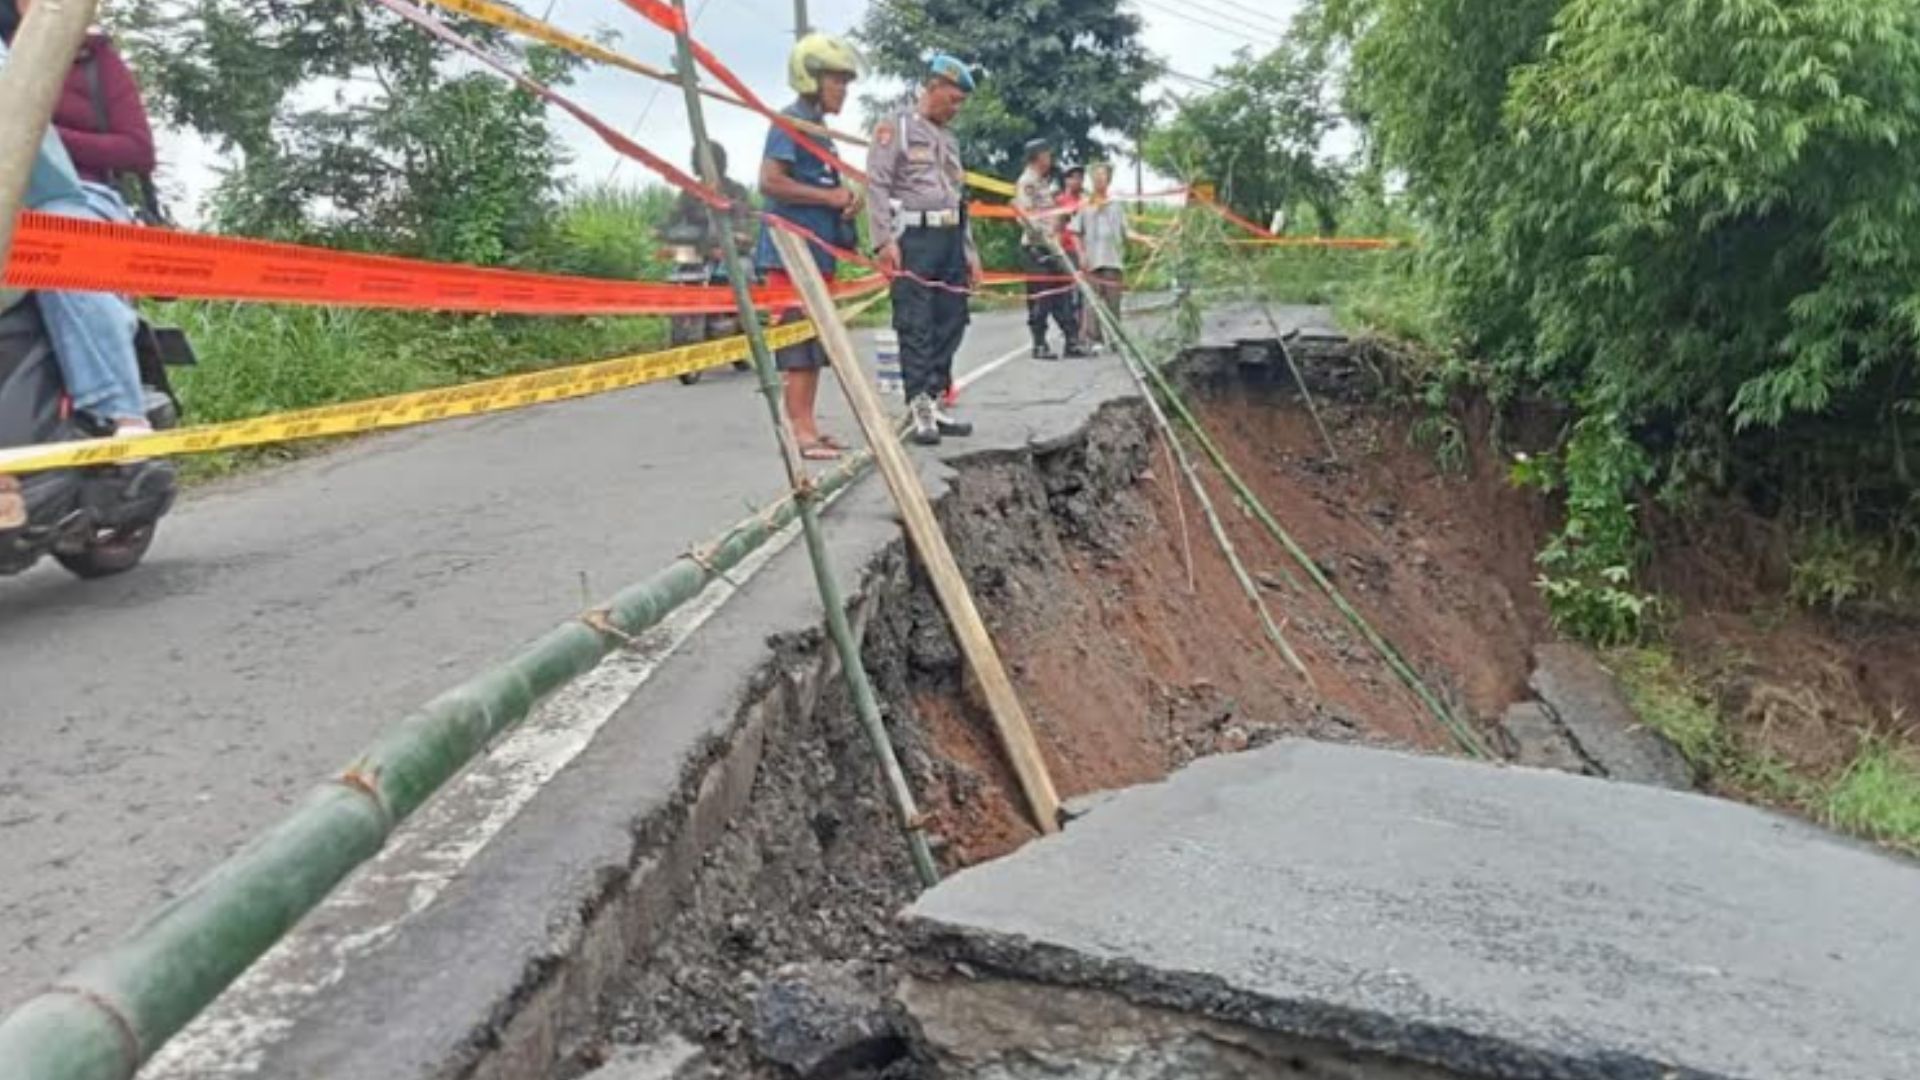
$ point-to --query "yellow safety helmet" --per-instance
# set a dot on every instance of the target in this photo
(818, 53)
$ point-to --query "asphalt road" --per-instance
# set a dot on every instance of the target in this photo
(1486, 919)
(153, 723)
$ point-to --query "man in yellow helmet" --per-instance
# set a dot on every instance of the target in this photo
(799, 186)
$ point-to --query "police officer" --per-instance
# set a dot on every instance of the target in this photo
(916, 206)
(1042, 225)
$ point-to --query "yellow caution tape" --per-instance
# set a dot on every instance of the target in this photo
(508, 19)
(991, 183)
(403, 410)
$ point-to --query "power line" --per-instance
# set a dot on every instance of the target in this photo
(1188, 16)
(652, 99)
(1236, 4)
(1259, 24)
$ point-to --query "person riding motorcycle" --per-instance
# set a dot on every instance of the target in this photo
(92, 332)
(690, 220)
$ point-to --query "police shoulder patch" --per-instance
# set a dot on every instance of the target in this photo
(883, 135)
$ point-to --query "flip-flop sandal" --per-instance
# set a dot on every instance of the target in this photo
(831, 442)
(819, 451)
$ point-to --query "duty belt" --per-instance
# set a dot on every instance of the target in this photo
(930, 219)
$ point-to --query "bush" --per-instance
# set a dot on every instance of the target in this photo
(610, 232)
(1697, 222)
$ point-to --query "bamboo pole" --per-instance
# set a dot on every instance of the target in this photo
(859, 685)
(37, 64)
(1245, 269)
(1395, 661)
(1003, 702)
(1130, 357)
(100, 1021)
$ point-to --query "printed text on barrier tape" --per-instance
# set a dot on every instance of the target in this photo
(55, 252)
(403, 410)
(508, 19)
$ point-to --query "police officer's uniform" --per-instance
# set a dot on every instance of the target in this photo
(1046, 300)
(917, 195)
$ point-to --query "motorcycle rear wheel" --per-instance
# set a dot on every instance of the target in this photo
(113, 551)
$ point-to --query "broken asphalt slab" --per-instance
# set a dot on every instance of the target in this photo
(1489, 921)
(1592, 709)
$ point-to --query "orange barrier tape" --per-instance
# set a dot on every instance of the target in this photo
(54, 252)
(1206, 200)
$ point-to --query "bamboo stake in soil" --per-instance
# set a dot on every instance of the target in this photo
(860, 686)
(1299, 377)
(1132, 360)
(1003, 703)
(1397, 663)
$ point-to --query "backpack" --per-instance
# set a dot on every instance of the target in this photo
(142, 195)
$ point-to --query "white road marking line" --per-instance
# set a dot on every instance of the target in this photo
(989, 368)
(232, 1038)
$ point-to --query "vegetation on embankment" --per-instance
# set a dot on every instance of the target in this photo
(1686, 239)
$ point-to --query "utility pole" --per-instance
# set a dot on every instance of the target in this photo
(800, 27)
(37, 66)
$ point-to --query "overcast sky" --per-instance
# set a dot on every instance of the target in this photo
(752, 36)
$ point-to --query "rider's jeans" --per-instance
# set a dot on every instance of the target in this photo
(92, 333)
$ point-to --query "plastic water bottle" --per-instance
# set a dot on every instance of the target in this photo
(886, 362)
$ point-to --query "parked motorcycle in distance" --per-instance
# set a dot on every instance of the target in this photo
(694, 266)
(95, 521)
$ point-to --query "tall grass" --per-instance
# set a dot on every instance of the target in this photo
(257, 359)
(1876, 796)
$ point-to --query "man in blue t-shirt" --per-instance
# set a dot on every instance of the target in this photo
(798, 186)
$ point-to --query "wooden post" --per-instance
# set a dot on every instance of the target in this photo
(37, 64)
(1009, 718)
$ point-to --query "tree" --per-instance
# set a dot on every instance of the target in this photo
(1067, 70)
(350, 128)
(1259, 138)
(1698, 223)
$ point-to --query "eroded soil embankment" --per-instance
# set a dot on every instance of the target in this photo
(1135, 651)
(1131, 659)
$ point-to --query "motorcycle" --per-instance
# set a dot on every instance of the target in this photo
(692, 266)
(96, 521)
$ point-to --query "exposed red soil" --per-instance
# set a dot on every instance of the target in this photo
(1801, 686)
(1128, 672)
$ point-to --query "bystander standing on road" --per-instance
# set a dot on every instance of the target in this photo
(1073, 183)
(1041, 227)
(1101, 225)
(799, 186)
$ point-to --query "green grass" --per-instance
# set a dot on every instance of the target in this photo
(257, 359)
(1877, 796)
